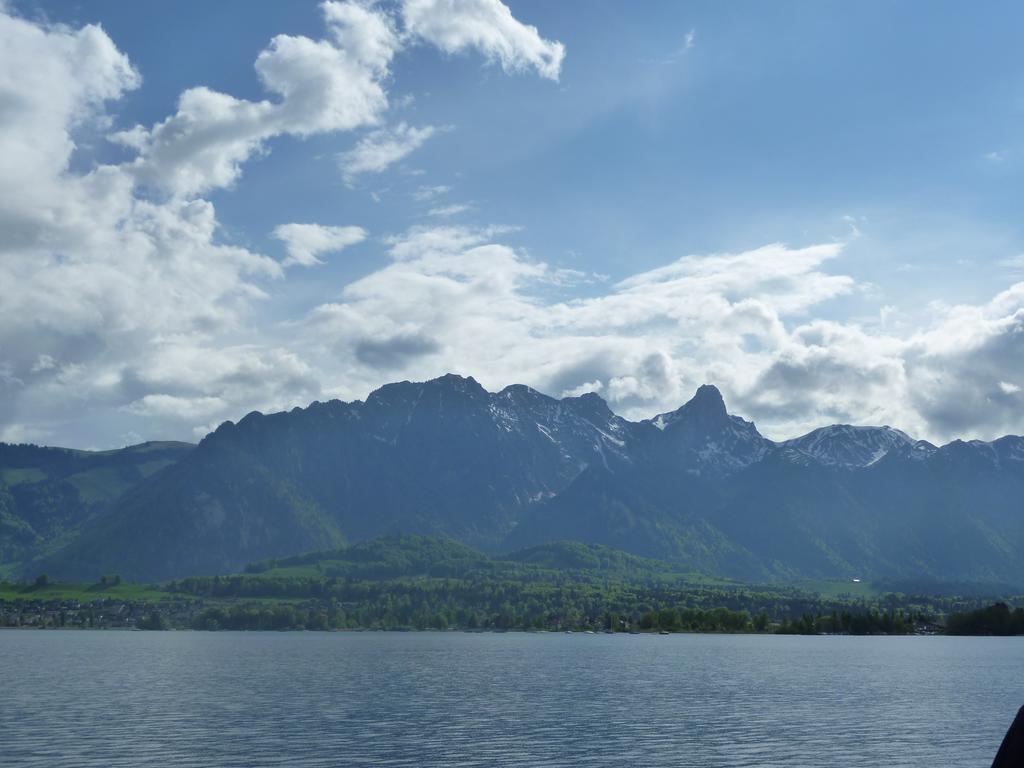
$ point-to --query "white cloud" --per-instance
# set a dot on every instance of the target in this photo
(382, 148)
(54, 80)
(455, 26)
(426, 194)
(956, 369)
(318, 85)
(368, 34)
(177, 407)
(122, 311)
(445, 211)
(455, 299)
(645, 342)
(123, 307)
(87, 269)
(305, 242)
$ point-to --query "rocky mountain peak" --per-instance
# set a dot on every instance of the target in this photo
(457, 383)
(518, 466)
(708, 398)
(591, 405)
(845, 445)
(706, 437)
(705, 411)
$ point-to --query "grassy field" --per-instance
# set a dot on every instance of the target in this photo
(11, 477)
(82, 592)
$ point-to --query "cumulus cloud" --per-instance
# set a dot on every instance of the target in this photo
(89, 271)
(317, 86)
(123, 305)
(645, 343)
(957, 371)
(55, 80)
(305, 242)
(456, 298)
(190, 384)
(381, 149)
(124, 308)
(455, 26)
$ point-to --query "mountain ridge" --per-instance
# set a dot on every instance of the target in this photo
(513, 468)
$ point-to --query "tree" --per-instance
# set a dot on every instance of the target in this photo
(154, 621)
(668, 618)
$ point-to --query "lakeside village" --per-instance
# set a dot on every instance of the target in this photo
(190, 613)
(104, 613)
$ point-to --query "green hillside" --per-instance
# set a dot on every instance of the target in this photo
(48, 495)
(417, 582)
(424, 582)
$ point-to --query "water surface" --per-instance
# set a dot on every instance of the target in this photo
(78, 698)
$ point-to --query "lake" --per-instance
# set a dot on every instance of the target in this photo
(74, 698)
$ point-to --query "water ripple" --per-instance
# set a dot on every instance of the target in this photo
(182, 699)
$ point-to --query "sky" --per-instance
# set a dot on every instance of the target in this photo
(213, 208)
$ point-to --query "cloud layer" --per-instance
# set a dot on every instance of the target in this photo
(317, 86)
(488, 26)
(456, 299)
(120, 298)
(306, 242)
(126, 312)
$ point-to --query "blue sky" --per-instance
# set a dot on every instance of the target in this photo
(878, 143)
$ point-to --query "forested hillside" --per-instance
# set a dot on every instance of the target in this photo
(699, 488)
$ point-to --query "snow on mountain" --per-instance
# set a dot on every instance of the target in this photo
(707, 438)
(843, 445)
(516, 467)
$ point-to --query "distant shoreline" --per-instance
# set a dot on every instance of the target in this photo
(359, 630)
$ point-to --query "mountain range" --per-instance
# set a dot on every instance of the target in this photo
(499, 471)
